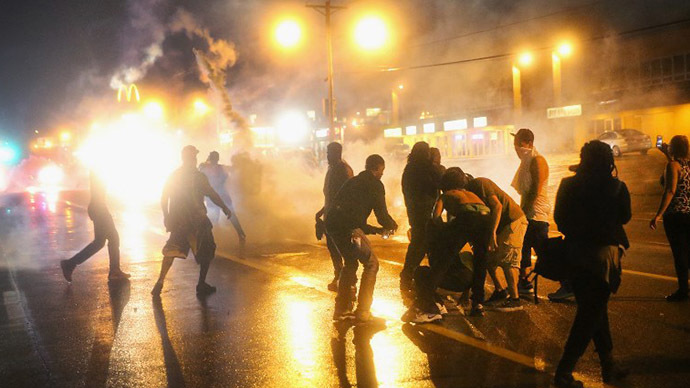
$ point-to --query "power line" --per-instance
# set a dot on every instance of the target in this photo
(508, 55)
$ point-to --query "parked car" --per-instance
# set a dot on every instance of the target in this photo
(626, 140)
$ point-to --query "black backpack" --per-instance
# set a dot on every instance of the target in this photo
(552, 262)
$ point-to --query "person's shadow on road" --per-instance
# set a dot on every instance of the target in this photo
(173, 371)
(104, 338)
(365, 370)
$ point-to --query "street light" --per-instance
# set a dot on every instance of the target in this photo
(395, 103)
(525, 59)
(288, 33)
(200, 107)
(371, 33)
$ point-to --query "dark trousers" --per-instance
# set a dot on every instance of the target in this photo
(677, 227)
(445, 243)
(537, 233)
(103, 229)
(336, 258)
(355, 248)
(417, 248)
(591, 321)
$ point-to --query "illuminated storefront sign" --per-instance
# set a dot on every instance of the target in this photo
(411, 130)
(455, 125)
(373, 112)
(429, 128)
(479, 122)
(321, 133)
(564, 111)
(392, 132)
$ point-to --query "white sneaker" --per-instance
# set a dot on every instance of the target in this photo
(422, 317)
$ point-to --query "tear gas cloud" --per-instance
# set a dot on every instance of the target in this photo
(276, 196)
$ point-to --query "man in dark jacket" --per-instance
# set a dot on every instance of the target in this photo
(346, 223)
(420, 189)
(338, 173)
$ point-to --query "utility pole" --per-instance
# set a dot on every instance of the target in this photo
(327, 9)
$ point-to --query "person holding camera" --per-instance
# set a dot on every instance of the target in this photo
(675, 210)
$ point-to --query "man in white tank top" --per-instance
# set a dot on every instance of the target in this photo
(531, 182)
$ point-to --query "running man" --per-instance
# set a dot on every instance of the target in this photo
(184, 216)
(103, 229)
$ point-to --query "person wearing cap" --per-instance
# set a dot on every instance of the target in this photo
(184, 216)
(338, 173)
(531, 182)
(217, 176)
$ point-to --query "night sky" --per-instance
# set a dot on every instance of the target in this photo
(56, 53)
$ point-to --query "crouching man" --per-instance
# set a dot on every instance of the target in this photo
(346, 223)
(469, 221)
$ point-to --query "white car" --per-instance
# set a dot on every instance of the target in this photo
(626, 140)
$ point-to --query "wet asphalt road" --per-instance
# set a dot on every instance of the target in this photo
(269, 324)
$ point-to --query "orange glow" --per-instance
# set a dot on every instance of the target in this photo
(525, 59)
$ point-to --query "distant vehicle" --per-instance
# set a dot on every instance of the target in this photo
(626, 140)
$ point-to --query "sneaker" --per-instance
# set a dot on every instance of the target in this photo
(497, 296)
(477, 310)
(118, 276)
(561, 294)
(333, 285)
(424, 317)
(509, 305)
(67, 270)
(525, 287)
(205, 289)
(678, 296)
(156, 292)
(366, 318)
(442, 308)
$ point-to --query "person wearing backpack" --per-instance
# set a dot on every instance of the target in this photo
(591, 209)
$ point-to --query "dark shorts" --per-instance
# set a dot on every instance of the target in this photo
(199, 240)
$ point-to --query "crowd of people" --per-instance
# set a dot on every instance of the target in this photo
(451, 213)
(590, 210)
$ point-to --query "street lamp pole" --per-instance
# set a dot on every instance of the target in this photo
(517, 94)
(327, 9)
(556, 65)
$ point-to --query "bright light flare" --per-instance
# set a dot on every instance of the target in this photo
(288, 33)
(65, 137)
(565, 49)
(525, 59)
(133, 156)
(8, 155)
(200, 107)
(154, 110)
(371, 33)
(50, 176)
(292, 128)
